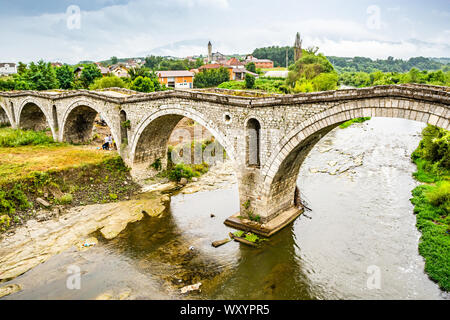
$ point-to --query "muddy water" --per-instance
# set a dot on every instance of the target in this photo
(357, 182)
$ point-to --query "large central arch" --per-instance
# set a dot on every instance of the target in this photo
(150, 140)
(279, 174)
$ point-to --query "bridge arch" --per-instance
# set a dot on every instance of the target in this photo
(77, 122)
(150, 140)
(33, 117)
(280, 172)
(5, 117)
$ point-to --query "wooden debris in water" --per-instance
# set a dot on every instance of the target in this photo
(219, 243)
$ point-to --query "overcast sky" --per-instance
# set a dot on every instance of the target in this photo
(52, 30)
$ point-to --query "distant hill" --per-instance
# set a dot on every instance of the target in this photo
(390, 64)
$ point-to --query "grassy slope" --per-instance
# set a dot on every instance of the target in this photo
(17, 163)
(60, 173)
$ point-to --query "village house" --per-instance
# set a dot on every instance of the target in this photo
(7, 69)
(178, 79)
(235, 68)
(105, 71)
(119, 71)
(259, 63)
(77, 72)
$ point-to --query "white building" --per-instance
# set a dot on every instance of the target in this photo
(7, 68)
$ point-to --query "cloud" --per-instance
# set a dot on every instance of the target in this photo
(183, 27)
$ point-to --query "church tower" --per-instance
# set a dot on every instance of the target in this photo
(297, 47)
(209, 52)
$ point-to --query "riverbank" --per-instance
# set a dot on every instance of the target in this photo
(432, 203)
(40, 179)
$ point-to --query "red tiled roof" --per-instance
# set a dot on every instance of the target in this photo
(211, 66)
(234, 62)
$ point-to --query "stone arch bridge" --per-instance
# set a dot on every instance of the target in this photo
(267, 138)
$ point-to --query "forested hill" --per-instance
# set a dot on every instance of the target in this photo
(356, 64)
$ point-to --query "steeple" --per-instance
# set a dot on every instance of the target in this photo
(209, 52)
(297, 47)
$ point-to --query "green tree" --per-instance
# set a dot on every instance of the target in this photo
(107, 82)
(249, 81)
(312, 71)
(325, 81)
(21, 68)
(89, 74)
(140, 71)
(143, 84)
(114, 60)
(276, 54)
(37, 76)
(65, 77)
(251, 67)
(211, 77)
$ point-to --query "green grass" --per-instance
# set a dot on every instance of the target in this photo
(432, 203)
(15, 137)
(356, 120)
(434, 223)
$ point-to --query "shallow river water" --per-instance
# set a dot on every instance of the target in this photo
(359, 241)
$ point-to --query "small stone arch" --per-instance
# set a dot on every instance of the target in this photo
(33, 117)
(13, 113)
(124, 127)
(280, 171)
(253, 143)
(156, 129)
(5, 119)
(55, 118)
(78, 121)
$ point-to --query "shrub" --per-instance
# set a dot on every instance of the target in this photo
(249, 81)
(4, 222)
(107, 82)
(181, 171)
(12, 199)
(113, 196)
(157, 165)
(65, 199)
(439, 196)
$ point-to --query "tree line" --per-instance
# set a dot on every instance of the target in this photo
(43, 76)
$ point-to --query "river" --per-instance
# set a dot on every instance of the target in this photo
(359, 241)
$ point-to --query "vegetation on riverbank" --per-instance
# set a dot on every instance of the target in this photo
(432, 202)
(177, 171)
(59, 174)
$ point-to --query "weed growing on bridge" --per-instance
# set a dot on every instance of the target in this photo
(432, 203)
(356, 120)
